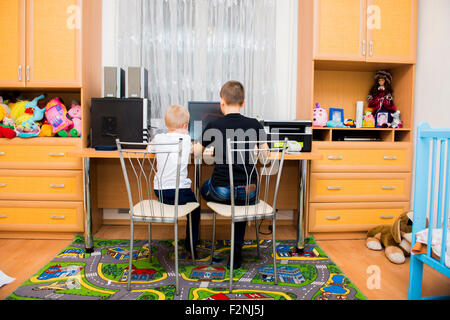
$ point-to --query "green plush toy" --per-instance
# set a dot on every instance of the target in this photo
(395, 238)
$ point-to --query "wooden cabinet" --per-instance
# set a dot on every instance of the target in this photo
(392, 30)
(339, 29)
(365, 30)
(43, 41)
(12, 38)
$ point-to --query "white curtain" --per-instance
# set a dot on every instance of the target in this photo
(192, 47)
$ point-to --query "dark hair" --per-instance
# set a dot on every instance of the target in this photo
(387, 88)
(233, 93)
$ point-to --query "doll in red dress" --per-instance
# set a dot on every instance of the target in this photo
(381, 94)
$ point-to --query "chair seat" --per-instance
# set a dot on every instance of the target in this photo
(260, 210)
(157, 211)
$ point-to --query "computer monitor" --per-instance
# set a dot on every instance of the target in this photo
(202, 113)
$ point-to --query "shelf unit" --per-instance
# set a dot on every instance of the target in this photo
(41, 181)
(363, 169)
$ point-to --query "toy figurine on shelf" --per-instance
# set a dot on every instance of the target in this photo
(320, 116)
(369, 120)
(396, 122)
(381, 94)
(335, 124)
(27, 124)
(349, 123)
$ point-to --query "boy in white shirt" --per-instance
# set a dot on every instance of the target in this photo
(177, 121)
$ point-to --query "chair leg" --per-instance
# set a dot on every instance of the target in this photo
(231, 257)
(176, 260)
(190, 238)
(415, 278)
(213, 238)
(130, 259)
(257, 239)
(150, 242)
(274, 249)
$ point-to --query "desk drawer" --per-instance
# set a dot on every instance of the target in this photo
(354, 187)
(31, 156)
(356, 157)
(41, 216)
(358, 216)
(41, 185)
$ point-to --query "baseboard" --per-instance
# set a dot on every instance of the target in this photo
(37, 235)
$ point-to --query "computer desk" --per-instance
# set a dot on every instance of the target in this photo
(88, 154)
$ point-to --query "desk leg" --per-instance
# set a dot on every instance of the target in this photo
(302, 203)
(89, 243)
(198, 176)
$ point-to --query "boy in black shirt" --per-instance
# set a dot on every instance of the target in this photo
(237, 128)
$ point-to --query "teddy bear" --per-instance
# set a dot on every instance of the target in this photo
(395, 238)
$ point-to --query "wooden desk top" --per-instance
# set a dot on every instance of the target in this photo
(92, 153)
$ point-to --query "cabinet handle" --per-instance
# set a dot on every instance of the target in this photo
(57, 186)
(388, 187)
(19, 73)
(3, 216)
(28, 73)
(371, 48)
(390, 157)
(333, 218)
(335, 157)
(56, 154)
(57, 217)
(2, 185)
(364, 48)
(334, 188)
(387, 217)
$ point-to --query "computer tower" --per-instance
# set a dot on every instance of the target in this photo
(113, 82)
(124, 119)
(136, 82)
(296, 130)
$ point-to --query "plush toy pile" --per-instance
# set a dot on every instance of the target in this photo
(26, 119)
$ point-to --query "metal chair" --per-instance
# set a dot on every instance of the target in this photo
(264, 165)
(144, 205)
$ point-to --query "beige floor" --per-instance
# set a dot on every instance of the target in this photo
(376, 277)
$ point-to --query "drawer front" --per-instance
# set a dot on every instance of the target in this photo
(356, 158)
(41, 185)
(354, 187)
(358, 216)
(41, 216)
(38, 157)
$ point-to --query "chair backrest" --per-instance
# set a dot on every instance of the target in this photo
(143, 174)
(432, 183)
(262, 165)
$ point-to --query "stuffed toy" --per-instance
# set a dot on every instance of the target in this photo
(17, 112)
(4, 109)
(7, 132)
(73, 114)
(46, 130)
(56, 115)
(26, 125)
(395, 238)
(381, 94)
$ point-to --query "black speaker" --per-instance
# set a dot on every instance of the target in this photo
(124, 119)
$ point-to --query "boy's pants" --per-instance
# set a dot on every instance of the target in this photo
(222, 195)
(184, 196)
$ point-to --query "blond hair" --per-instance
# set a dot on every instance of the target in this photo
(176, 116)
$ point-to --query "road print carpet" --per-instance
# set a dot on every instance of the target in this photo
(102, 275)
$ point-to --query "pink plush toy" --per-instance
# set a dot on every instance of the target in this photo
(320, 116)
(56, 115)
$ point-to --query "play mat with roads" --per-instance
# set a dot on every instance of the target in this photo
(102, 275)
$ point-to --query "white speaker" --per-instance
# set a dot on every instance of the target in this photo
(137, 83)
(113, 82)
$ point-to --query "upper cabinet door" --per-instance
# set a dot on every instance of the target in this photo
(53, 43)
(392, 30)
(340, 30)
(12, 39)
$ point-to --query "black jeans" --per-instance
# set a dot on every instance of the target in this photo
(184, 196)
